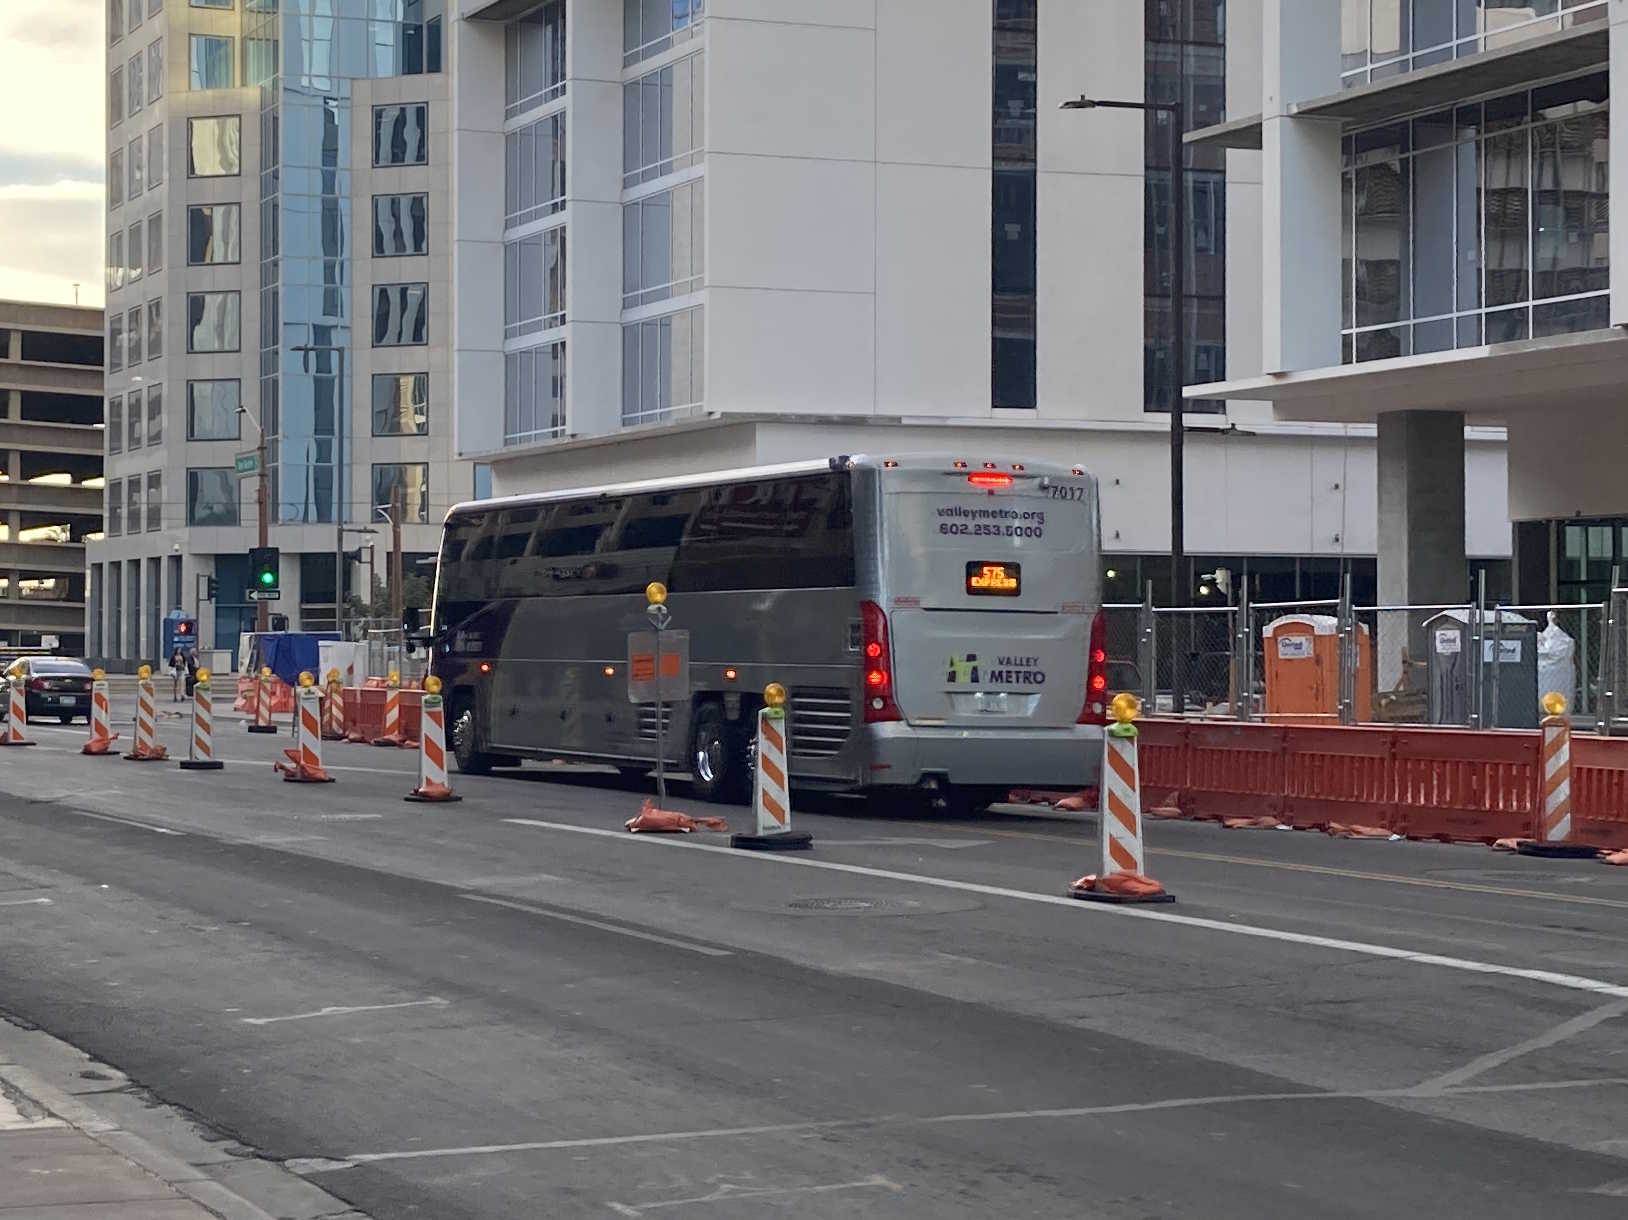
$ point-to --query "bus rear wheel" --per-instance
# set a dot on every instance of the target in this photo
(718, 758)
(471, 761)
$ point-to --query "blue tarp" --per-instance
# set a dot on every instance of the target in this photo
(288, 653)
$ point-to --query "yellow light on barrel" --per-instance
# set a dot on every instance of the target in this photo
(98, 674)
(1554, 704)
(774, 695)
(307, 678)
(203, 676)
(432, 685)
(333, 677)
(1125, 707)
(655, 593)
(145, 672)
(265, 671)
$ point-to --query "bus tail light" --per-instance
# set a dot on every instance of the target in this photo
(878, 667)
(989, 479)
(1095, 710)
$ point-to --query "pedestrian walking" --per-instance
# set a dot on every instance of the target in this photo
(178, 669)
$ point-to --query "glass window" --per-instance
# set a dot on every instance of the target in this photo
(155, 156)
(115, 341)
(155, 500)
(662, 245)
(135, 15)
(155, 414)
(214, 234)
(400, 134)
(133, 332)
(649, 27)
(155, 328)
(534, 58)
(137, 163)
(534, 394)
(534, 283)
(155, 70)
(408, 482)
(133, 421)
(115, 424)
(401, 404)
(115, 20)
(132, 504)
(115, 178)
(213, 321)
(214, 146)
(211, 496)
(483, 481)
(662, 365)
(401, 315)
(136, 83)
(212, 410)
(115, 97)
(155, 242)
(663, 121)
(534, 171)
(134, 248)
(115, 508)
(116, 266)
(225, 4)
(210, 60)
(400, 225)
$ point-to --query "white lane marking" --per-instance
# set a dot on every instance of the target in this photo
(910, 1120)
(1551, 1037)
(279, 840)
(946, 844)
(25, 902)
(346, 1010)
(728, 1193)
(349, 817)
(477, 883)
(110, 817)
(706, 950)
(1568, 982)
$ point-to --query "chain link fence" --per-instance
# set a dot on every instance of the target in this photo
(1334, 662)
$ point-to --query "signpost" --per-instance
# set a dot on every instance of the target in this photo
(263, 595)
(246, 463)
(658, 669)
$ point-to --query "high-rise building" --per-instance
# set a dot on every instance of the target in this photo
(697, 234)
(50, 471)
(278, 244)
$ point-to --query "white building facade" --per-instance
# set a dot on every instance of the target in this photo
(278, 253)
(739, 231)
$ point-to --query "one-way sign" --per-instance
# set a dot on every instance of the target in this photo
(263, 595)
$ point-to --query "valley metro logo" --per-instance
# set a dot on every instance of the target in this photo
(963, 669)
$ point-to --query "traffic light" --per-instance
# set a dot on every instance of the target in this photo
(211, 589)
(264, 569)
(186, 630)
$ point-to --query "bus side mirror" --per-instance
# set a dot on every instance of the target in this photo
(411, 621)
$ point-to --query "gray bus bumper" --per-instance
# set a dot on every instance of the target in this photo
(903, 755)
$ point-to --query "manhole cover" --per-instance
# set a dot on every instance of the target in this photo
(832, 904)
(875, 905)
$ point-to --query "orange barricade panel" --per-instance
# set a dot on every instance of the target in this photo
(1162, 745)
(1338, 774)
(1599, 790)
(1234, 770)
(1461, 786)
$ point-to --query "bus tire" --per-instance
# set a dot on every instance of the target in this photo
(470, 760)
(718, 759)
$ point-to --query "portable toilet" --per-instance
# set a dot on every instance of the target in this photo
(1302, 669)
(1509, 681)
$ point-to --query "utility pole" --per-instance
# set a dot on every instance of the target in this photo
(397, 590)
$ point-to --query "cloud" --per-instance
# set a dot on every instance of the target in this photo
(56, 241)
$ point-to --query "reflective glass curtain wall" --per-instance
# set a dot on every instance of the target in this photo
(304, 55)
(1014, 253)
(1186, 60)
(1483, 224)
(1385, 38)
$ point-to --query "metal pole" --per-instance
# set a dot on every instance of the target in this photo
(660, 620)
(262, 498)
(1610, 650)
(1148, 652)
(1178, 343)
(1347, 707)
(1478, 637)
(341, 412)
(1497, 663)
(1244, 656)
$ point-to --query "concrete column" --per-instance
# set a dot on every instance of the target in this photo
(1618, 219)
(1300, 188)
(1421, 527)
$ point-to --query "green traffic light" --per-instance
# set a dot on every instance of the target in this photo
(268, 578)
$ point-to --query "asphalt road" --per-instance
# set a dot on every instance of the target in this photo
(509, 1008)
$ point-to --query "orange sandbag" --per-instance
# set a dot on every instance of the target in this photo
(1507, 844)
(1078, 803)
(668, 821)
(1615, 857)
(1263, 822)
(1128, 884)
(1339, 830)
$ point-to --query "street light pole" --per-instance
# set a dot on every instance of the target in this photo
(1176, 112)
(262, 611)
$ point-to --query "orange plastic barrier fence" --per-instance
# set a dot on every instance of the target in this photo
(364, 712)
(282, 696)
(1446, 784)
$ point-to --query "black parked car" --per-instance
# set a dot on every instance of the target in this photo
(57, 686)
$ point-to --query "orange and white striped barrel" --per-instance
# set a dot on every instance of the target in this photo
(102, 735)
(333, 721)
(201, 753)
(432, 748)
(1556, 779)
(770, 796)
(17, 715)
(304, 765)
(262, 704)
(146, 748)
(392, 735)
(1121, 806)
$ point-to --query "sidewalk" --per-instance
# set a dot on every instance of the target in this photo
(64, 1156)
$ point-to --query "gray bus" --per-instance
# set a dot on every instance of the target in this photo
(935, 619)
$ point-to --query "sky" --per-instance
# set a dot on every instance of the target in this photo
(52, 146)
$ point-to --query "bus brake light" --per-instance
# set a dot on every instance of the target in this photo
(991, 479)
(879, 701)
(1095, 710)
